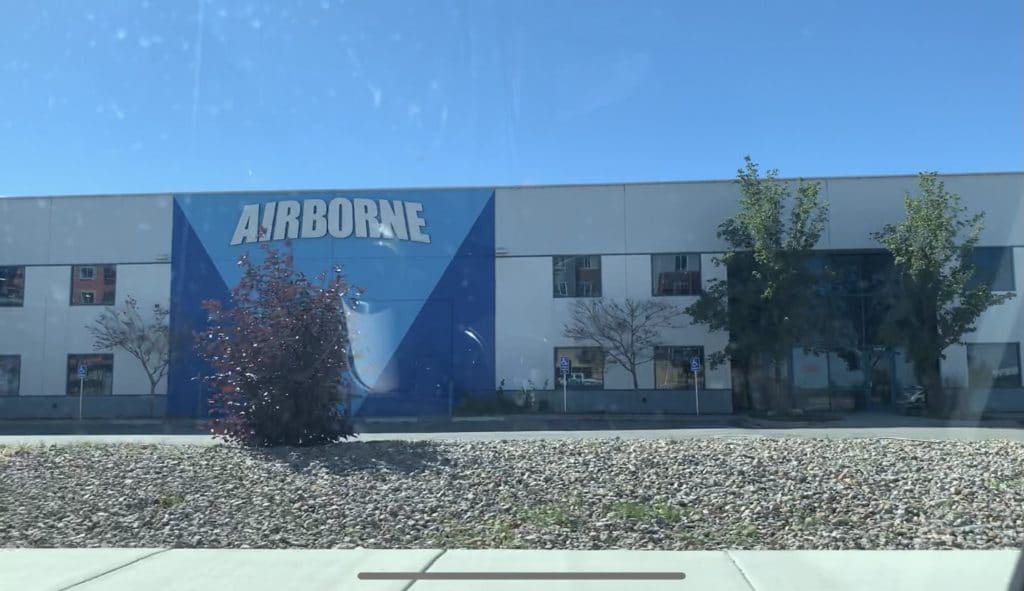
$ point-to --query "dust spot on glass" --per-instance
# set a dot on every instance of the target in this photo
(375, 94)
(146, 42)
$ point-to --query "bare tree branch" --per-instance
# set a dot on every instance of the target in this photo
(626, 332)
(146, 339)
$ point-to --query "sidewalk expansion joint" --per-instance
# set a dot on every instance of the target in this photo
(426, 568)
(743, 574)
(115, 569)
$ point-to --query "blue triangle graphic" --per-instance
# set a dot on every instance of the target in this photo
(449, 348)
(194, 278)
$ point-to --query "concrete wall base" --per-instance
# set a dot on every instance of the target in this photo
(93, 407)
(639, 401)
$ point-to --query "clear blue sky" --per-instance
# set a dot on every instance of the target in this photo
(176, 95)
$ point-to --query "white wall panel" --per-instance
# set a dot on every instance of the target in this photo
(525, 314)
(677, 217)
(530, 320)
(24, 231)
(22, 329)
(560, 220)
(47, 329)
(127, 229)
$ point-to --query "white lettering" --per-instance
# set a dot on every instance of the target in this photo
(339, 218)
(412, 213)
(314, 218)
(367, 225)
(392, 220)
(286, 226)
(246, 230)
(268, 221)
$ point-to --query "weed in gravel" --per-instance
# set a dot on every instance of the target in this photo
(647, 511)
(547, 516)
(168, 501)
(504, 533)
(9, 451)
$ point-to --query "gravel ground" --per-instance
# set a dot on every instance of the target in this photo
(688, 494)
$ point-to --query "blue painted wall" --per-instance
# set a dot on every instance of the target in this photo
(424, 328)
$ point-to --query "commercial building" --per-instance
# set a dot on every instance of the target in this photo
(467, 290)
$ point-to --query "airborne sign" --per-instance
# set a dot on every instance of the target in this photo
(340, 218)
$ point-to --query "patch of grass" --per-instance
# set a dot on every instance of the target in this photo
(9, 451)
(647, 511)
(168, 501)
(504, 533)
(547, 516)
(747, 533)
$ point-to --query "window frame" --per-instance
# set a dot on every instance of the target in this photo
(654, 274)
(973, 281)
(73, 381)
(104, 276)
(701, 375)
(558, 374)
(17, 387)
(588, 258)
(1020, 364)
(23, 270)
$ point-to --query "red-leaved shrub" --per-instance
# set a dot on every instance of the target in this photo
(278, 350)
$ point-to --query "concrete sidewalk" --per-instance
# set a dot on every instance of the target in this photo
(915, 433)
(312, 570)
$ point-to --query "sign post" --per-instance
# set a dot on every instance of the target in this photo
(82, 370)
(564, 366)
(695, 368)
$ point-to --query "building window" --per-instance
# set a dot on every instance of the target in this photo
(99, 374)
(12, 286)
(675, 274)
(993, 365)
(672, 368)
(993, 265)
(577, 276)
(586, 368)
(93, 285)
(10, 375)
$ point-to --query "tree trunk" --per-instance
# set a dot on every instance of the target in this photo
(935, 397)
(931, 377)
(746, 387)
(780, 396)
(636, 386)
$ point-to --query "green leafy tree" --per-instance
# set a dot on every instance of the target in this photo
(936, 301)
(766, 303)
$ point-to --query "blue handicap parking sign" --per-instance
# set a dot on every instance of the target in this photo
(82, 370)
(563, 364)
(695, 364)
